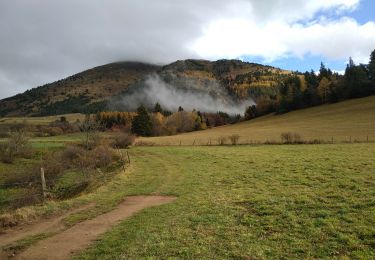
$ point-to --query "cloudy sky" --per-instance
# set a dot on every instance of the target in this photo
(45, 40)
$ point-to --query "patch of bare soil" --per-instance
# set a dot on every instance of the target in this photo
(51, 224)
(80, 236)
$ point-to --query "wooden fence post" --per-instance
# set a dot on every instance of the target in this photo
(127, 153)
(44, 187)
(122, 158)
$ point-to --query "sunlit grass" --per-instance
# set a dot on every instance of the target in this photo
(352, 120)
(308, 201)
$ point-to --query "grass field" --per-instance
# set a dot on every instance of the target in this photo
(40, 120)
(307, 201)
(344, 121)
(248, 201)
(284, 201)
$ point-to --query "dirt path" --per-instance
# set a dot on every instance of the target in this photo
(52, 224)
(78, 237)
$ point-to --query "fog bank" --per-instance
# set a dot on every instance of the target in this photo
(170, 97)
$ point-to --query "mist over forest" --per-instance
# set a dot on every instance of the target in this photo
(213, 98)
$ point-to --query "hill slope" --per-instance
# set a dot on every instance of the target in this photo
(101, 87)
(353, 119)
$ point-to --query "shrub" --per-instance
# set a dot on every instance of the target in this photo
(23, 177)
(234, 139)
(144, 143)
(290, 138)
(6, 153)
(90, 136)
(27, 197)
(123, 140)
(16, 145)
(297, 138)
(72, 153)
(221, 140)
(53, 131)
(54, 166)
(103, 156)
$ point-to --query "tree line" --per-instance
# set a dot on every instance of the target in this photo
(295, 92)
(161, 122)
(312, 89)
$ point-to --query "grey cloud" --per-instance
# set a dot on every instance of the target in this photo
(43, 41)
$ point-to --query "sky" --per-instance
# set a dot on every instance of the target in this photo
(44, 41)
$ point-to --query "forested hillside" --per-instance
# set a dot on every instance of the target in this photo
(99, 88)
(229, 86)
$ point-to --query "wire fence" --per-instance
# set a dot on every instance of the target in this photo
(36, 189)
(226, 140)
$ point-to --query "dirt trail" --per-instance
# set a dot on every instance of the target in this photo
(51, 224)
(78, 237)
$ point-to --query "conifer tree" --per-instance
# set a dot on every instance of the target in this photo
(142, 124)
(371, 67)
(157, 108)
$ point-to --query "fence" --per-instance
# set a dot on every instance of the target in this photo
(38, 190)
(226, 140)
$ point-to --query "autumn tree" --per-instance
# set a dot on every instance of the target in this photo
(90, 136)
(158, 124)
(324, 89)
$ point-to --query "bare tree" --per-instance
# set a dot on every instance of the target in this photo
(90, 136)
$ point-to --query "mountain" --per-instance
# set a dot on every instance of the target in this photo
(104, 87)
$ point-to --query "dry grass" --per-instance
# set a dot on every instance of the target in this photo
(352, 120)
(40, 120)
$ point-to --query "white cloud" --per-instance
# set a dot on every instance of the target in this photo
(276, 39)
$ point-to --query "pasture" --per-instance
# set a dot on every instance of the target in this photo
(352, 120)
(283, 201)
(245, 201)
(306, 201)
(39, 120)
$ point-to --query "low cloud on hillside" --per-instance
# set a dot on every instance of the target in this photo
(171, 97)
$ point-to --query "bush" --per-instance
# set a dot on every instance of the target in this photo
(53, 167)
(234, 139)
(144, 143)
(6, 153)
(90, 135)
(123, 140)
(290, 138)
(221, 140)
(78, 157)
(22, 177)
(16, 145)
(103, 156)
(71, 154)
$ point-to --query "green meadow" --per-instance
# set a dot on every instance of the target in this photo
(256, 202)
